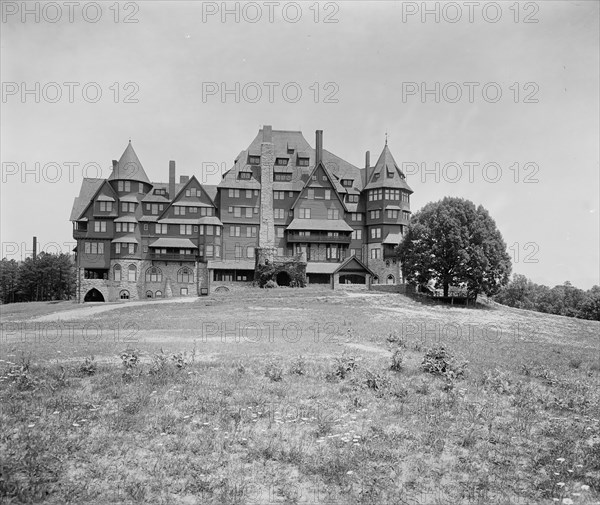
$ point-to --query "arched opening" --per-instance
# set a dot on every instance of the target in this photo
(185, 275)
(149, 294)
(390, 279)
(153, 274)
(124, 295)
(93, 295)
(375, 280)
(283, 278)
(117, 272)
(352, 279)
(158, 294)
(132, 273)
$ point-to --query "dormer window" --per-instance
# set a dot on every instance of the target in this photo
(124, 186)
(352, 198)
(160, 192)
(245, 175)
(390, 174)
(282, 162)
(303, 162)
(254, 160)
(347, 183)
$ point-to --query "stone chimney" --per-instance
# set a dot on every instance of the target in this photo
(34, 248)
(266, 236)
(171, 180)
(319, 147)
(367, 166)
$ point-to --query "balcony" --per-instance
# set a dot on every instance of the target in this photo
(318, 238)
(172, 257)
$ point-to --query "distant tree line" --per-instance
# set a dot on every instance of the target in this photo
(47, 277)
(564, 300)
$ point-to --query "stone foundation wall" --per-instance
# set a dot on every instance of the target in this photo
(382, 268)
(269, 265)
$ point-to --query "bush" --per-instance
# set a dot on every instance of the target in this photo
(130, 359)
(440, 361)
(497, 381)
(274, 371)
(299, 366)
(376, 381)
(397, 359)
(271, 284)
(343, 366)
(88, 367)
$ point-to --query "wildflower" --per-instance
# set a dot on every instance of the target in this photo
(585, 487)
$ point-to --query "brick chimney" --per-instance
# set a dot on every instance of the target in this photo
(319, 147)
(367, 166)
(171, 180)
(34, 248)
(267, 134)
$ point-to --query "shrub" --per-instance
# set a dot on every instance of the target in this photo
(21, 375)
(440, 361)
(393, 338)
(397, 359)
(376, 381)
(497, 381)
(88, 367)
(343, 366)
(130, 359)
(274, 371)
(271, 284)
(299, 366)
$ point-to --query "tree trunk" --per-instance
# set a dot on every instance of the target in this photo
(446, 286)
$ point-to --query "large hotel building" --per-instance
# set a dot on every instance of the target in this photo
(284, 212)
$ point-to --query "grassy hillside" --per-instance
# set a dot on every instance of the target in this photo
(287, 396)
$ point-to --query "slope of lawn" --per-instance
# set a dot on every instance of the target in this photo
(289, 396)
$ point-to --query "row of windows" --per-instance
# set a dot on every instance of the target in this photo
(124, 227)
(131, 273)
(248, 193)
(322, 194)
(188, 229)
(154, 208)
(128, 248)
(128, 206)
(195, 192)
(94, 248)
(280, 213)
(125, 186)
(301, 162)
(389, 194)
(243, 211)
(236, 231)
(106, 206)
(164, 250)
(280, 195)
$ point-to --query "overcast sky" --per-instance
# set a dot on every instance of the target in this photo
(360, 75)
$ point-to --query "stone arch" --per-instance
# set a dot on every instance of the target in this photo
(158, 294)
(390, 279)
(132, 273)
(124, 294)
(117, 273)
(149, 294)
(283, 278)
(93, 295)
(154, 274)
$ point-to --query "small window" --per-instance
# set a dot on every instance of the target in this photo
(302, 162)
(254, 160)
(124, 295)
(148, 294)
(158, 294)
(281, 162)
(183, 291)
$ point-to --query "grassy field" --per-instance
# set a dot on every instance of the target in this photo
(288, 396)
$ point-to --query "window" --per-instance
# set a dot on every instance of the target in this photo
(127, 207)
(327, 194)
(357, 235)
(125, 227)
(94, 248)
(392, 194)
(132, 273)
(251, 231)
(237, 212)
(131, 248)
(248, 211)
(310, 194)
(124, 295)
(185, 276)
(210, 250)
(118, 248)
(210, 230)
(158, 294)
(356, 216)
(235, 231)
(154, 208)
(375, 232)
(352, 198)
(106, 206)
(217, 251)
(100, 226)
(279, 195)
(282, 177)
(185, 229)
(250, 251)
(140, 188)
(304, 233)
(281, 162)
(117, 272)
(392, 214)
(332, 252)
(324, 178)
(304, 213)
(302, 162)
(201, 250)
(234, 193)
(248, 193)
(179, 210)
(279, 213)
(375, 254)
(333, 214)
(405, 197)
(154, 274)
(145, 226)
(148, 294)
(406, 215)
(375, 194)
(217, 231)
(245, 175)
(254, 160)
(120, 186)
(279, 231)
(347, 183)
(238, 251)
(183, 291)
(375, 214)
(161, 229)
(352, 252)
(290, 194)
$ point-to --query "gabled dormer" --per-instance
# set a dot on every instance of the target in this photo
(191, 202)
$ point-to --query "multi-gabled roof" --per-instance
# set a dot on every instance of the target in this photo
(129, 167)
(386, 174)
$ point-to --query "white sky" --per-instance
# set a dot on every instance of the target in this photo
(369, 53)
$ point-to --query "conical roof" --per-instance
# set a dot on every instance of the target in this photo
(129, 167)
(386, 173)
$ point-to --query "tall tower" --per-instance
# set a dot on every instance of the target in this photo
(266, 237)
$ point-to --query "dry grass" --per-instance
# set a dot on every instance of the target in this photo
(255, 414)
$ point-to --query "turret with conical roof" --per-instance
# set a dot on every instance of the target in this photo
(129, 167)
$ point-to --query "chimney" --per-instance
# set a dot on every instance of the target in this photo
(267, 134)
(367, 165)
(319, 147)
(171, 180)
(184, 178)
(34, 248)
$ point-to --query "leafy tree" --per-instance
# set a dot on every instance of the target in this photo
(9, 278)
(455, 243)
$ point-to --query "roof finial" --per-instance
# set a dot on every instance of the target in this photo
(386, 136)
